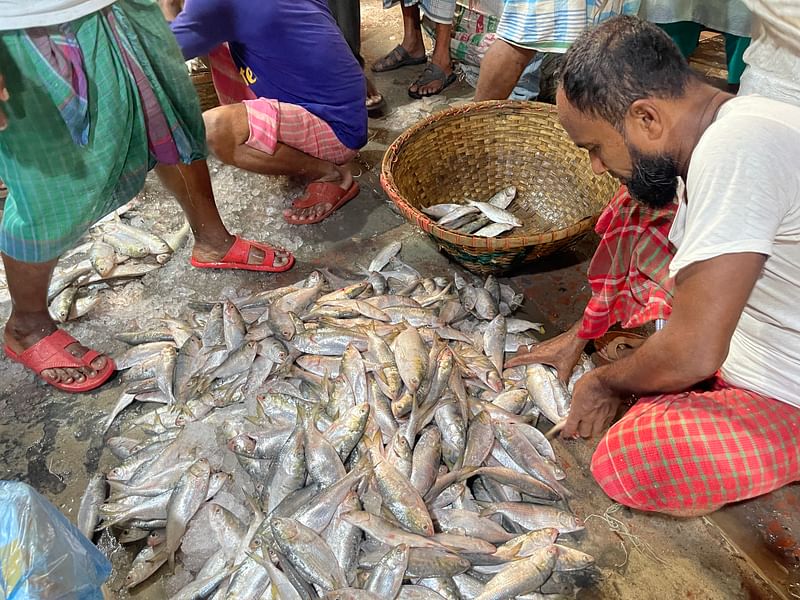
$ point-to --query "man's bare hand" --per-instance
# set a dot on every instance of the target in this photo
(561, 352)
(592, 409)
(3, 98)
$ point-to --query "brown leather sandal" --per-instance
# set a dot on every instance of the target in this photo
(614, 345)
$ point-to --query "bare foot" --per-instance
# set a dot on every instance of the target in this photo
(374, 97)
(344, 180)
(24, 330)
(209, 251)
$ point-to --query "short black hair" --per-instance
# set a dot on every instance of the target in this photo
(623, 60)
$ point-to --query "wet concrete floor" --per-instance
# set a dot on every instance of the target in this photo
(53, 441)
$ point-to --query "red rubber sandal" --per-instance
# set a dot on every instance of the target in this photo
(51, 353)
(239, 254)
(323, 192)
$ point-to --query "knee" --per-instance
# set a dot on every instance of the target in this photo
(511, 55)
(610, 471)
(640, 472)
(221, 130)
(623, 474)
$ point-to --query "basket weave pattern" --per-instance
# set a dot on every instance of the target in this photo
(204, 86)
(475, 150)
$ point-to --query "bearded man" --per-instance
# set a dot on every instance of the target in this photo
(718, 388)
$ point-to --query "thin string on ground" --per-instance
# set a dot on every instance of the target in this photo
(621, 530)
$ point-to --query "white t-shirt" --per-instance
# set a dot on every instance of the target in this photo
(22, 14)
(742, 194)
(773, 58)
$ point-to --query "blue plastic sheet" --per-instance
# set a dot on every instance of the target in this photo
(42, 555)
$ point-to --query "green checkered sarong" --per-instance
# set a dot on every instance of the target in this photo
(58, 188)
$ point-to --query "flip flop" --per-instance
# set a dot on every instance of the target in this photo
(399, 57)
(323, 192)
(430, 74)
(51, 353)
(376, 110)
(238, 255)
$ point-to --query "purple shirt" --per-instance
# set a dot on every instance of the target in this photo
(288, 50)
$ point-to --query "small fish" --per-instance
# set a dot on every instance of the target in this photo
(521, 576)
(147, 562)
(89, 510)
(177, 239)
(383, 257)
(123, 271)
(82, 306)
(504, 197)
(438, 211)
(153, 243)
(233, 326)
(386, 533)
(535, 516)
(63, 279)
(126, 244)
(494, 341)
(61, 306)
(103, 257)
(547, 392)
(521, 325)
(497, 215)
(476, 225)
(456, 214)
(308, 553)
(189, 494)
(411, 357)
(493, 230)
(387, 575)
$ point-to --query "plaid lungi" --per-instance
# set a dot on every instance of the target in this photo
(699, 450)
(629, 272)
(552, 25)
(438, 11)
(94, 104)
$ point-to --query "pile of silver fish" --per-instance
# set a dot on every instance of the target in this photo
(482, 219)
(113, 252)
(343, 437)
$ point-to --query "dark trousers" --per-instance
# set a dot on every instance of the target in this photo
(348, 16)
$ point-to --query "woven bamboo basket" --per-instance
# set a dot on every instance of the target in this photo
(475, 150)
(201, 79)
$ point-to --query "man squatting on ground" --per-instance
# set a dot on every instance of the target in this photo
(290, 107)
(718, 388)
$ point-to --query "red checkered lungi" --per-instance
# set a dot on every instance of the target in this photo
(699, 450)
(629, 272)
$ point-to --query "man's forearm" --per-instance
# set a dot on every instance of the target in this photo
(666, 362)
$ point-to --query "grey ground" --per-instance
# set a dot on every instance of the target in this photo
(52, 441)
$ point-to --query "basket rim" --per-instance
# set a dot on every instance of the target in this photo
(468, 240)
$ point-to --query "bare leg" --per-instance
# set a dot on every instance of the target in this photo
(412, 32)
(227, 131)
(501, 69)
(191, 186)
(440, 57)
(30, 319)
(374, 97)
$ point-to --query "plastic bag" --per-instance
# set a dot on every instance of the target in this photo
(42, 555)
